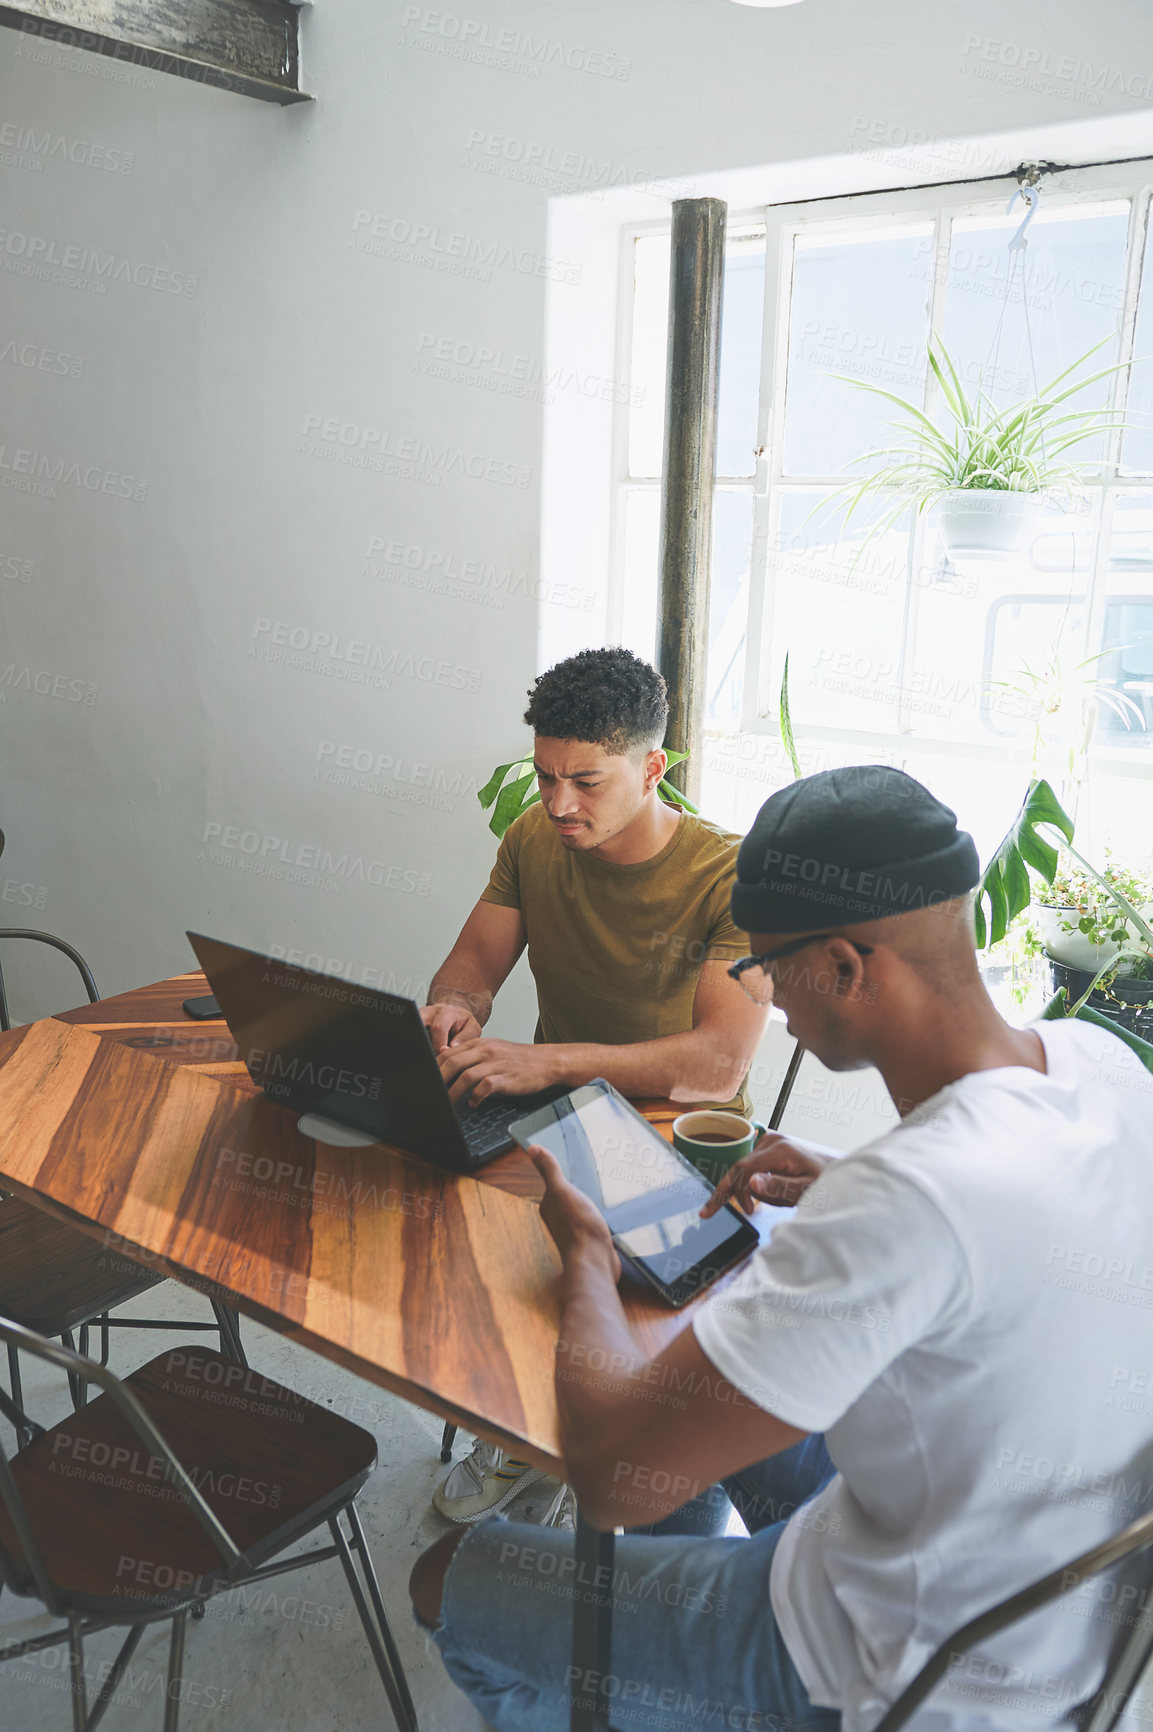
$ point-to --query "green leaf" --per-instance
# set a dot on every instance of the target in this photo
(512, 802)
(1005, 881)
(1058, 1007)
(488, 793)
(786, 723)
(517, 796)
(673, 796)
(670, 794)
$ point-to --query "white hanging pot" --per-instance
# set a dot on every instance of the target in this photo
(987, 521)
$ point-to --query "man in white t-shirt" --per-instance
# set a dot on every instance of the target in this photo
(963, 1307)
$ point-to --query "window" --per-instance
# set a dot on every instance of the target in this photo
(962, 667)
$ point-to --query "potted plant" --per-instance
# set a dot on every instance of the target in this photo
(1006, 891)
(1097, 953)
(1079, 922)
(987, 468)
(509, 798)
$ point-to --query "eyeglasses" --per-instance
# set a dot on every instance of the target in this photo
(752, 974)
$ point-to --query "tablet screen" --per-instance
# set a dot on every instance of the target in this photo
(649, 1197)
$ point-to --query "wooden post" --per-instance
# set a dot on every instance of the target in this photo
(696, 285)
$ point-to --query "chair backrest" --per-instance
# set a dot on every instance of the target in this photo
(27, 1341)
(1126, 1664)
(57, 944)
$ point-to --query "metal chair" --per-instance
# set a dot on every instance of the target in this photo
(55, 1279)
(1126, 1666)
(83, 1529)
(57, 944)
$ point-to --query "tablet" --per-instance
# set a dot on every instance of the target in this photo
(647, 1192)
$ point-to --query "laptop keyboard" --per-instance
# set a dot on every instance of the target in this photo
(485, 1127)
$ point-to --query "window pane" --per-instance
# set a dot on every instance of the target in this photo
(1120, 814)
(837, 611)
(740, 374)
(650, 341)
(740, 771)
(1137, 445)
(728, 601)
(1125, 697)
(641, 574)
(1074, 284)
(987, 629)
(742, 316)
(859, 308)
(728, 606)
(1033, 691)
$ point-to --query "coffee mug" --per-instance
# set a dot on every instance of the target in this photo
(712, 1140)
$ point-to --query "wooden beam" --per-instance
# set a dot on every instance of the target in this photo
(248, 46)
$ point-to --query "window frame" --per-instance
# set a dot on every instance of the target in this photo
(939, 205)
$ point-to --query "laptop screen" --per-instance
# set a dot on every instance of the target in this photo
(324, 1045)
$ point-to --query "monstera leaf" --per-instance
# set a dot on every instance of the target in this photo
(1005, 880)
(1058, 1007)
(509, 799)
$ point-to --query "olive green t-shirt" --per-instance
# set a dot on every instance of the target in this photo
(616, 951)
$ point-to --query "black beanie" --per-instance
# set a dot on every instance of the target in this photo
(847, 846)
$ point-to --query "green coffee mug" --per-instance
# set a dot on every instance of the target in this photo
(712, 1140)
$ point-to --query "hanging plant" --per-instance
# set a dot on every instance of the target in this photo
(509, 799)
(984, 462)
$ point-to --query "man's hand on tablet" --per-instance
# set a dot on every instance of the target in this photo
(574, 1221)
(778, 1171)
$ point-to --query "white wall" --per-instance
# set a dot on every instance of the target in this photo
(163, 745)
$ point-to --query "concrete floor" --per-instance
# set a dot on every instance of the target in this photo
(292, 1654)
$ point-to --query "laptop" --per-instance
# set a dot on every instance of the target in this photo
(351, 1058)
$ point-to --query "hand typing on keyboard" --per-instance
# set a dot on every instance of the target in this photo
(476, 1069)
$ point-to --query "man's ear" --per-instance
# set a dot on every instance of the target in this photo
(849, 964)
(655, 766)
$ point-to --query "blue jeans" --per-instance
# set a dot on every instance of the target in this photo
(695, 1643)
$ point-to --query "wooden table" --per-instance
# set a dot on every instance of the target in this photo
(142, 1127)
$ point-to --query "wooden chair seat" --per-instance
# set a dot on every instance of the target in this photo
(118, 1539)
(54, 1277)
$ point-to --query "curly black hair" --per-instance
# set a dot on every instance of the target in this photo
(609, 697)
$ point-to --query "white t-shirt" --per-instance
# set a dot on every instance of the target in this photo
(965, 1307)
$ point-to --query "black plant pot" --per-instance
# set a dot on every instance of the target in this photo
(1127, 1002)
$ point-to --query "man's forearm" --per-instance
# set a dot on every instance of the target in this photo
(680, 1067)
(461, 983)
(600, 1367)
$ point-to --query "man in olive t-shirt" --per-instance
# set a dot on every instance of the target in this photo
(616, 949)
(623, 903)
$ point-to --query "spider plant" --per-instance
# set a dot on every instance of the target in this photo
(1062, 698)
(1018, 449)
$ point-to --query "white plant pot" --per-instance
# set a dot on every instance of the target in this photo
(1070, 947)
(987, 521)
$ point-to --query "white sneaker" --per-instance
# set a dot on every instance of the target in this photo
(561, 1512)
(481, 1484)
